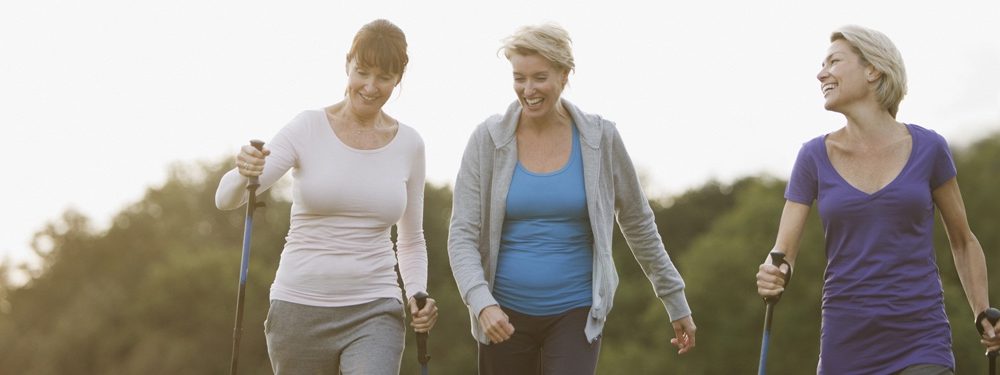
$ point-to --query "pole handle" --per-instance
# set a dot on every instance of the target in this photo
(993, 316)
(990, 314)
(422, 356)
(421, 298)
(778, 259)
(259, 145)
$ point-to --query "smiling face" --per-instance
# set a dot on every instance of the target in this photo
(845, 78)
(538, 84)
(368, 88)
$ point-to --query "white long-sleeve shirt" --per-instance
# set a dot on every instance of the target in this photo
(338, 251)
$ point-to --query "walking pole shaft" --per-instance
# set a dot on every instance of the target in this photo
(241, 294)
(422, 356)
(765, 339)
(252, 205)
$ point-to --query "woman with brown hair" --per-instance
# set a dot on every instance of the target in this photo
(335, 303)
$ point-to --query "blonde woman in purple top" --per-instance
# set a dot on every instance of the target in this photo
(876, 182)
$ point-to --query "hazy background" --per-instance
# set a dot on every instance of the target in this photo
(120, 117)
(98, 98)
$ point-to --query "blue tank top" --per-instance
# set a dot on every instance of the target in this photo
(545, 264)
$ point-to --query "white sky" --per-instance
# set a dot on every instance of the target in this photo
(98, 98)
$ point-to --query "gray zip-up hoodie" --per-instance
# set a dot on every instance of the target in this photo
(612, 189)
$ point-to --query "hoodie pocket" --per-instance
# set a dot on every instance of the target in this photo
(605, 283)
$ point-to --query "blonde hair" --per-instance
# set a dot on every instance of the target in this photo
(877, 50)
(548, 40)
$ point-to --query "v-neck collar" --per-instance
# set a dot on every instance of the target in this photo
(841, 178)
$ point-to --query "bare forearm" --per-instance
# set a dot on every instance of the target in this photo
(970, 263)
(793, 218)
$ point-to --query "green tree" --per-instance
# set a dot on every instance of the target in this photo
(723, 263)
(153, 294)
(637, 334)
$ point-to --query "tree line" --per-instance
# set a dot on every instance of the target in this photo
(155, 292)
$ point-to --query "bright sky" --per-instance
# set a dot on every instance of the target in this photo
(98, 98)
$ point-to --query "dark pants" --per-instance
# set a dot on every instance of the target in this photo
(543, 345)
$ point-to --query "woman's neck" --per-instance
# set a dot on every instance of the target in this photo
(555, 119)
(343, 111)
(871, 125)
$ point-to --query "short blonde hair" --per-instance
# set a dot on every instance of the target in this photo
(877, 50)
(549, 40)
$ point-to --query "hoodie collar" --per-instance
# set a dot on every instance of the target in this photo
(502, 127)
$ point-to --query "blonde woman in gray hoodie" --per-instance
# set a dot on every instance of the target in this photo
(536, 199)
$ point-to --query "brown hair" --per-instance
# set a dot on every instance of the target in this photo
(380, 44)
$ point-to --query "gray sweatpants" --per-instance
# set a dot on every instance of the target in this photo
(362, 339)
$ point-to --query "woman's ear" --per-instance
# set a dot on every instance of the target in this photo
(872, 74)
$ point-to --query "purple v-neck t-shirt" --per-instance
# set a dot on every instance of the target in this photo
(883, 304)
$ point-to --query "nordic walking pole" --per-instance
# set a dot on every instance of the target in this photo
(777, 259)
(252, 205)
(422, 356)
(993, 316)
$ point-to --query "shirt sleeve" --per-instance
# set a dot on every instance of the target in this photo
(232, 192)
(803, 185)
(411, 247)
(944, 165)
(466, 228)
(638, 225)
